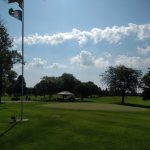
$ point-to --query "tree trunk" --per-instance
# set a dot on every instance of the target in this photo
(122, 99)
(0, 92)
(1, 83)
(123, 95)
(50, 97)
(44, 97)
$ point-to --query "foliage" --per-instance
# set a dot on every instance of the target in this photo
(7, 58)
(146, 85)
(10, 82)
(81, 90)
(122, 79)
(18, 86)
(48, 85)
(66, 82)
(87, 89)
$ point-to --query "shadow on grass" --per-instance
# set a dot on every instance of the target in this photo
(1, 104)
(3, 108)
(7, 130)
(82, 101)
(134, 105)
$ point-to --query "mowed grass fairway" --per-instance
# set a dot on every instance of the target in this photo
(101, 124)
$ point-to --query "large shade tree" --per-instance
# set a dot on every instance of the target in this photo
(68, 82)
(146, 85)
(51, 84)
(18, 86)
(82, 90)
(10, 82)
(86, 89)
(122, 79)
(7, 57)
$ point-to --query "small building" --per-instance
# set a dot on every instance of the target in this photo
(67, 96)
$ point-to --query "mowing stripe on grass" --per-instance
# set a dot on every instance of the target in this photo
(93, 106)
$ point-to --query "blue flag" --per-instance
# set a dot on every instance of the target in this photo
(16, 13)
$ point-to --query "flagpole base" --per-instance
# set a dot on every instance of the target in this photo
(24, 120)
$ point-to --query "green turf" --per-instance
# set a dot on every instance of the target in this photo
(94, 106)
(59, 128)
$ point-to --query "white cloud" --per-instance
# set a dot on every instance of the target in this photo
(147, 62)
(41, 63)
(144, 50)
(133, 62)
(86, 59)
(143, 31)
(107, 55)
(56, 66)
(101, 63)
(36, 62)
(110, 34)
(20, 52)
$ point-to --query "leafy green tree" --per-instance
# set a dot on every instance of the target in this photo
(93, 89)
(82, 90)
(41, 88)
(146, 85)
(86, 89)
(51, 85)
(105, 92)
(47, 86)
(10, 82)
(38, 89)
(29, 90)
(68, 82)
(7, 57)
(122, 79)
(18, 86)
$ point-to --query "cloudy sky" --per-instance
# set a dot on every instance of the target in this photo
(81, 37)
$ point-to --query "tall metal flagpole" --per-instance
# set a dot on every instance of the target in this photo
(22, 88)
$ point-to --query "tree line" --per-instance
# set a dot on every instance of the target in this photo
(66, 82)
(120, 80)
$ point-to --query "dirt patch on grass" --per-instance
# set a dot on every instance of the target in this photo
(93, 106)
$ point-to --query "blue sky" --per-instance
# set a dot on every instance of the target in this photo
(81, 37)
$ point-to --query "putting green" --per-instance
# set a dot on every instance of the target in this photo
(93, 106)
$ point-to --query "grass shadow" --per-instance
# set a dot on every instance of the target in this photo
(8, 129)
(3, 108)
(134, 105)
(84, 101)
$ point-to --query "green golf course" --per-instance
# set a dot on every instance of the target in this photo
(92, 124)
